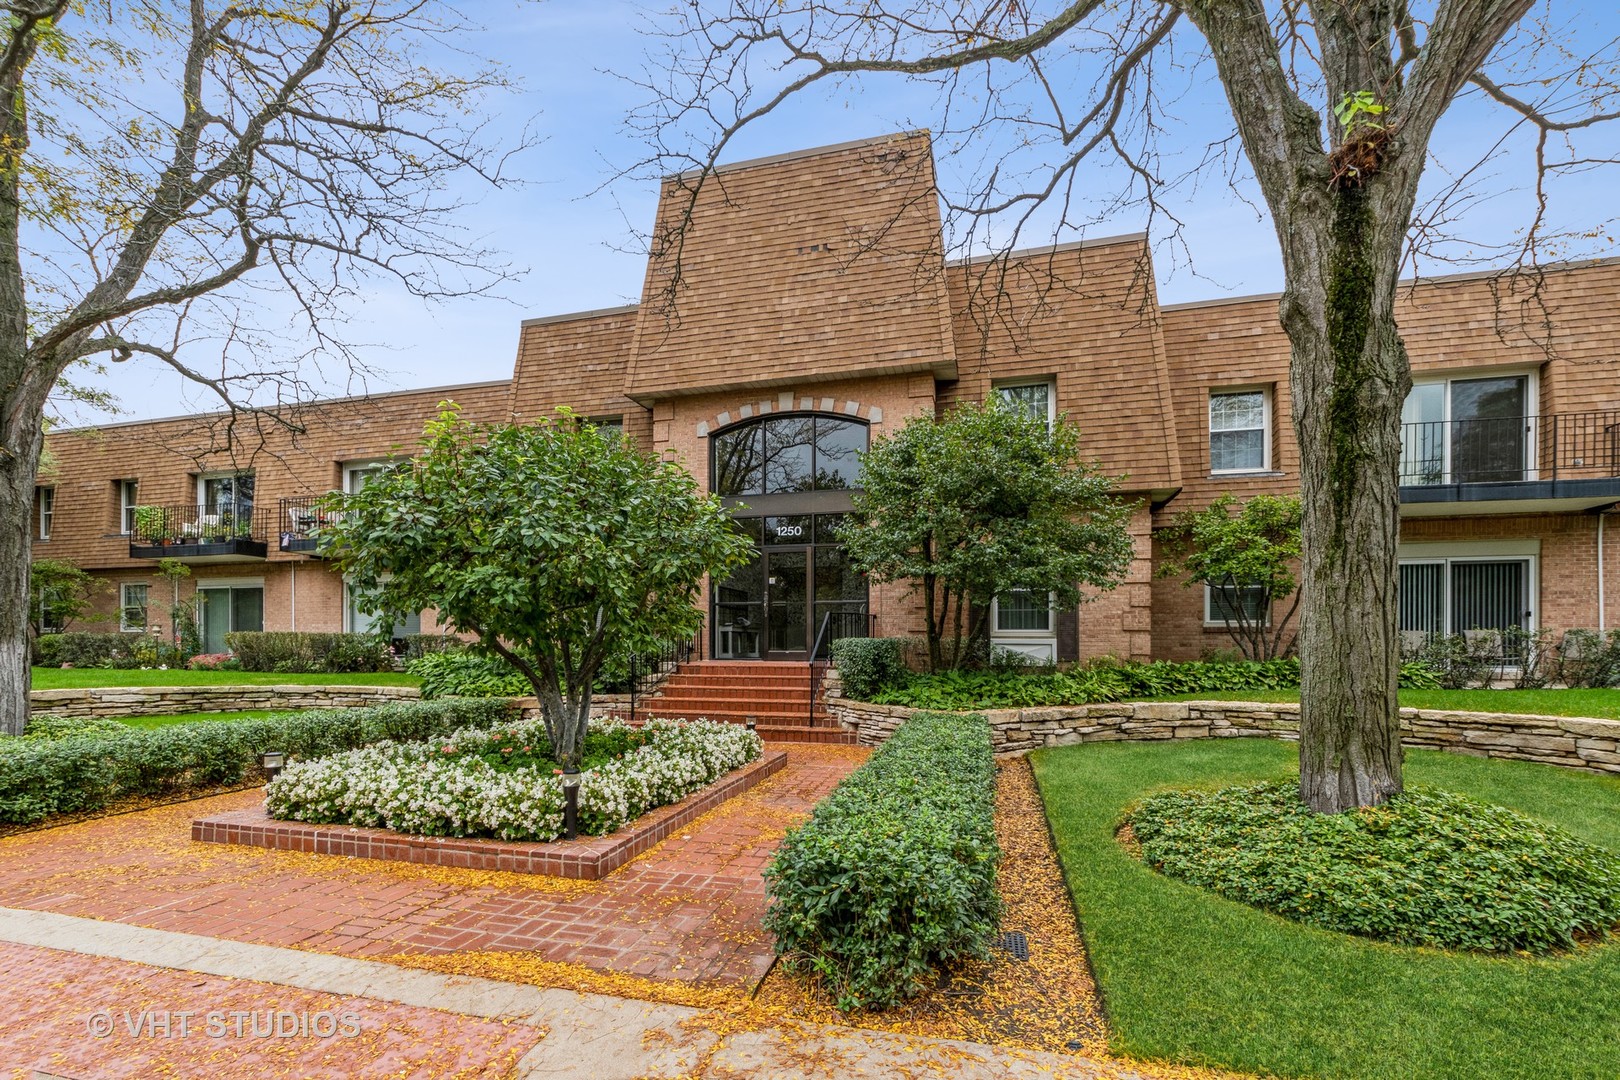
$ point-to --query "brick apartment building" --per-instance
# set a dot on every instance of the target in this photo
(814, 311)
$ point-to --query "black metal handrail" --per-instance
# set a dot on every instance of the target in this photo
(855, 622)
(1508, 449)
(197, 524)
(649, 669)
(300, 520)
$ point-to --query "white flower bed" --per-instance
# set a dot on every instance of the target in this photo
(413, 788)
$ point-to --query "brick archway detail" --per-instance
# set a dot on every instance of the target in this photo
(790, 401)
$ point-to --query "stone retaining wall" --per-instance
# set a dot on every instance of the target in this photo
(1576, 743)
(119, 701)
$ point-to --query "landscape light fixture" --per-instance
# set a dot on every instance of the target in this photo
(570, 782)
(273, 761)
(751, 722)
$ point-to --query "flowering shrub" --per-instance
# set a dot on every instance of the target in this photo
(214, 661)
(450, 787)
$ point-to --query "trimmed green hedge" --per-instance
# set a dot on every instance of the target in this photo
(962, 690)
(85, 649)
(42, 777)
(867, 665)
(310, 653)
(894, 874)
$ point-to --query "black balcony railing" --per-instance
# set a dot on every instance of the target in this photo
(199, 531)
(300, 521)
(1556, 446)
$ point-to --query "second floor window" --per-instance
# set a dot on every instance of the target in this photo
(128, 500)
(44, 509)
(229, 494)
(1035, 399)
(1239, 431)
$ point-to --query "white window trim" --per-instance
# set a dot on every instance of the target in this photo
(1051, 393)
(1439, 553)
(1532, 405)
(348, 607)
(126, 506)
(230, 583)
(203, 478)
(1267, 403)
(349, 468)
(45, 502)
(1211, 622)
(1024, 635)
(124, 605)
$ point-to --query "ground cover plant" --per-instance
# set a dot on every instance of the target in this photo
(504, 782)
(1192, 977)
(894, 875)
(1019, 687)
(40, 778)
(1425, 868)
(48, 678)
(1603, 704)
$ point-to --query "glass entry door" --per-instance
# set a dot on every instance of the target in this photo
(223, 610)
(1489, 443)
(787, 592)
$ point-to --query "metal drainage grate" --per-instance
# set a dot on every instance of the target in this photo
(1014, 941)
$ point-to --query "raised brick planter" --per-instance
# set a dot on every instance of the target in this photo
(588, 858)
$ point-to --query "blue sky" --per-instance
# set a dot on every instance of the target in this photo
(574, 226)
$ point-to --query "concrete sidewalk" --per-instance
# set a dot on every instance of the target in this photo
(566, 1033)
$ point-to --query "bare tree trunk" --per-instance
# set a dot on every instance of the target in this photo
(16, 515)
(1350, 378)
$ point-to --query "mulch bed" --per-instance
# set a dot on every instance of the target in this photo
(1048, 1002)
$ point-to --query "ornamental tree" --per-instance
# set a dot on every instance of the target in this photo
(1252, 554)
(982, 501)
(555, 544)
(59, 593)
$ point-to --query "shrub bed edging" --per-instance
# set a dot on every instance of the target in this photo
(1588, 743)
(589, 858)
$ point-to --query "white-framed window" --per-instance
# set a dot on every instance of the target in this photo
(225, 605)
(1240, 430)
(357, 474)
(1022, 611)
(132, 606)
(1467, 587)
(1032, 397)
(1477, 428)
(128, 500)
(357, 620)
(226, 493)
(1235, 603)
(44, 510)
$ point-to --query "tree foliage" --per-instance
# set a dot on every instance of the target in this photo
(60, 593)
(1256, 551)
(554, 543)
(983, 501)
(208, 187)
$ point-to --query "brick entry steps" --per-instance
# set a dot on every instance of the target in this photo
(774, 694)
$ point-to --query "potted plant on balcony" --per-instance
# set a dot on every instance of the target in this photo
(152, 525)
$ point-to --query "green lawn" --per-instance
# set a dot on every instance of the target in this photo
(1190, 977)
(1600, 703)
(148, 722)
(75, 678)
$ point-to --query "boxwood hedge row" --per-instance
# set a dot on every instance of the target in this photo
(895, 872)
(42, 777)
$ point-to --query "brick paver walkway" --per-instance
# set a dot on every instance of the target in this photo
(687, 910)
(79, 1016)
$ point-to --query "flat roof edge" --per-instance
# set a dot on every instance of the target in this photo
(570, 316)
(1139, 237)
(799, 155)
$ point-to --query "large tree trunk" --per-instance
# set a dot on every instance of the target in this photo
(19, 455)
(1350, 378)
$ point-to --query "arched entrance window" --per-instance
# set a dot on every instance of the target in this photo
(788, 480)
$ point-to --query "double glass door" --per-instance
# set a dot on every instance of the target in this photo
(772, 608)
